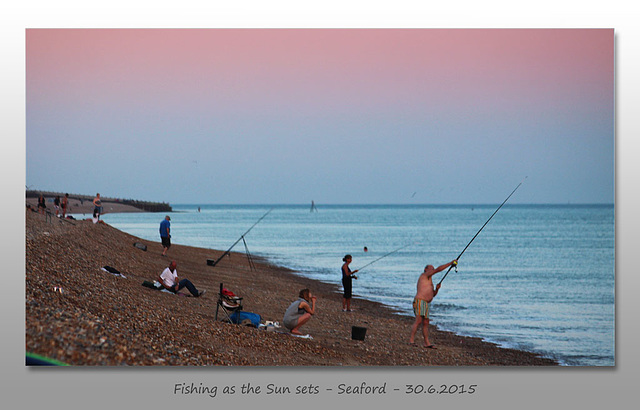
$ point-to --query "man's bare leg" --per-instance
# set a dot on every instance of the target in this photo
(425, 332)
(414, 329)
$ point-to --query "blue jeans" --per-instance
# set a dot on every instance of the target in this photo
(187, 283)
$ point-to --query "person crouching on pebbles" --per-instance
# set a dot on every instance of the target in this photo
(347, 277)
(424, 295)
(169, 279)
(299, 312)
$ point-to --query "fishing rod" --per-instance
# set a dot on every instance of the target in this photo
(384, 256)
(214, 263)
(474, 237)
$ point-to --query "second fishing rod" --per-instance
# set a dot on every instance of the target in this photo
(241, 238)
(384, 256)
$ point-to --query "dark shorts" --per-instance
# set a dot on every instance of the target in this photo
(166, 241)
(346, 285)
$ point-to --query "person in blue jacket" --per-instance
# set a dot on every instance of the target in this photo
(165, 234)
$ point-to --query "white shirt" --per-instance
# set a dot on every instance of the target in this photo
(168, 277)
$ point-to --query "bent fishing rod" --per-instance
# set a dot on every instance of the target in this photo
(478, 233)
(384, 256)
(240, 239)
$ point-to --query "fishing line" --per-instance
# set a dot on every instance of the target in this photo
(485, 224)
(384, 256)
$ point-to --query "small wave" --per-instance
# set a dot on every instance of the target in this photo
(587, 360)
(448, 307)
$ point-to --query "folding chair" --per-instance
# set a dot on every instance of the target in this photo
(228, 302)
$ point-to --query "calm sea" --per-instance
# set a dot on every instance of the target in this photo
(539, 278)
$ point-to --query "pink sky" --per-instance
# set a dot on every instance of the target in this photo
(321, 66)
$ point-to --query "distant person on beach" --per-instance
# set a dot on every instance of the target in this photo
(97, 206)
(165, 234)
(299, 312)
(424, 295)
(169, 280)
(347, 277)
(42, 204)
(65, 205)
(56, 204)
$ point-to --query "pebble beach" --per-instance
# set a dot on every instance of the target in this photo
(80, 315)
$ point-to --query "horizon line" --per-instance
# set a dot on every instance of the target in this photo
(396, 204)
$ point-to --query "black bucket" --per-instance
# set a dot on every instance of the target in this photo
(358, 333)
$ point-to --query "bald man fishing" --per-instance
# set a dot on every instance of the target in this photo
(424, 295)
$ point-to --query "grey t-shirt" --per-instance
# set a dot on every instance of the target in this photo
(292, 314)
